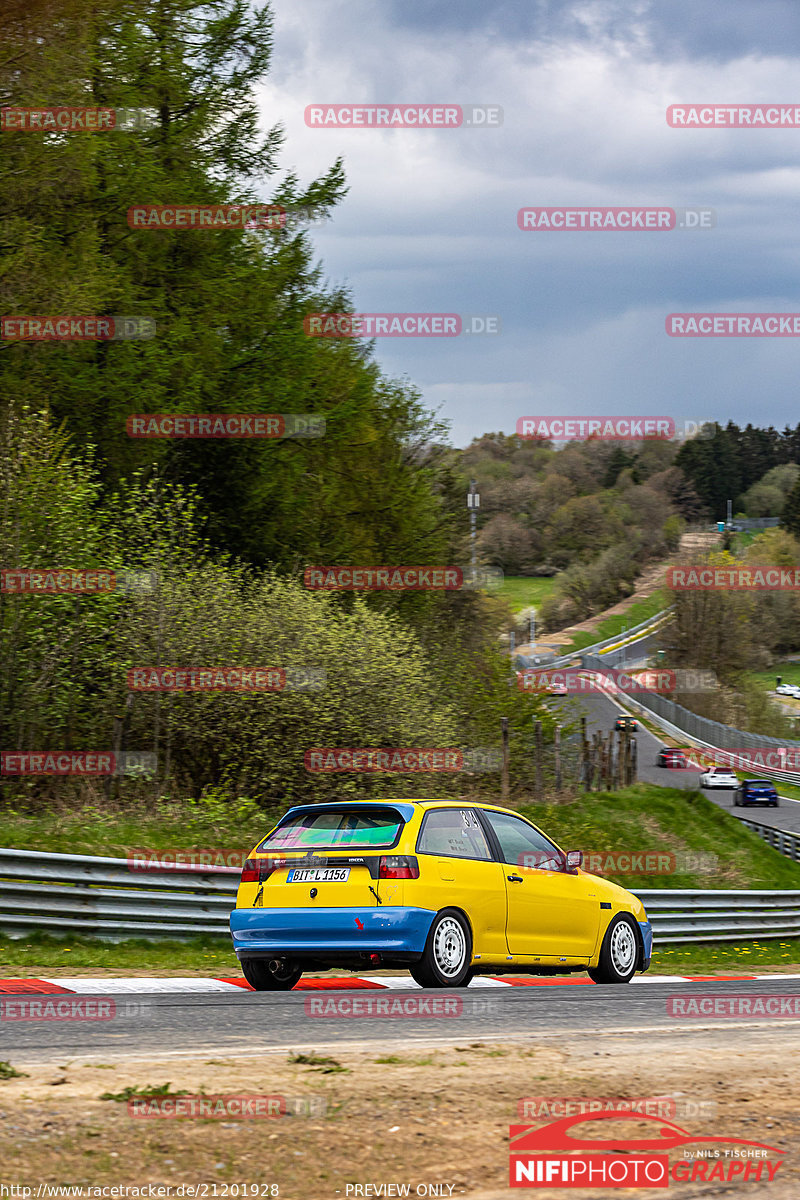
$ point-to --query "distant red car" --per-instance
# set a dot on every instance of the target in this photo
(670, 757)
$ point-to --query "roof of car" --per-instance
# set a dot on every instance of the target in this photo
(396, 801)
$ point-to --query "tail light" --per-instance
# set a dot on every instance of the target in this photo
(398, 866)
(251, 871)
(258, 870)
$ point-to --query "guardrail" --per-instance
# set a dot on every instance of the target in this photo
(110, 899)
(781, 839)
(681, 915)
(628, 637)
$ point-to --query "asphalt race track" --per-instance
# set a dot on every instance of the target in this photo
(175, 1025)
(601, 713)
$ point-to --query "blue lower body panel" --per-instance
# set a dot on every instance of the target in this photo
(647, 938)
(372, 931)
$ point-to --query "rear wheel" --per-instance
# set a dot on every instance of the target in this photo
(617, 963)
(270, 975)
(448, 953)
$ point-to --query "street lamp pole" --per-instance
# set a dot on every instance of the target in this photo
(473, 504)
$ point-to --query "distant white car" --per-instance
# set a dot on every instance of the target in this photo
(718, 777)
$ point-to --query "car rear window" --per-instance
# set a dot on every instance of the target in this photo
(761, 783)
(337, 829)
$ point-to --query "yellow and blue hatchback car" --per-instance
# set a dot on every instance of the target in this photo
(440, 888)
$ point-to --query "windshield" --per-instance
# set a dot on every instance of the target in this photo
(337, 829)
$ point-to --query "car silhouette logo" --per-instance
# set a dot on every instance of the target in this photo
(527, 1139)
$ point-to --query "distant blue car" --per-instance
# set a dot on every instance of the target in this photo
(755, 791)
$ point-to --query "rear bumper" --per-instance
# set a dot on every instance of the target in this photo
(646, 930)
(384, 930)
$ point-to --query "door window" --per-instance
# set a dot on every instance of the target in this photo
(453, 833)
(523, 845)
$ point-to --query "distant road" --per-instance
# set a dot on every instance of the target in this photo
(601, 713)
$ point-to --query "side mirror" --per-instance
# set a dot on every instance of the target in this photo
(574, 859)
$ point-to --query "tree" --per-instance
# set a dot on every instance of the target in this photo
(228, 305)
(790, 518)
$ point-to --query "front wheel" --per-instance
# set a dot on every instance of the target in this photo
(446, 961)
(270, 975)
(617, 962)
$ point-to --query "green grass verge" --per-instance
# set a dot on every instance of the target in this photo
(645, 817)
(522, 591)
(611, 626)
(789, 672)
(211, 823)
(740, 958)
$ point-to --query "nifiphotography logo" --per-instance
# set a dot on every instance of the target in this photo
(554, 1156)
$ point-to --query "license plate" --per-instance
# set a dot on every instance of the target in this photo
(318, 875)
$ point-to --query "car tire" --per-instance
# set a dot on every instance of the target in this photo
(262, 978)
(447, 959)
(618, 954)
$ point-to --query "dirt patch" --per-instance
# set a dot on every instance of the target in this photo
(407, 1113)
(650, 580)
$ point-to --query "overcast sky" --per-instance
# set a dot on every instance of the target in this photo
(430, 221)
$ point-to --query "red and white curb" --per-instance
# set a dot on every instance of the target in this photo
(177, 984)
